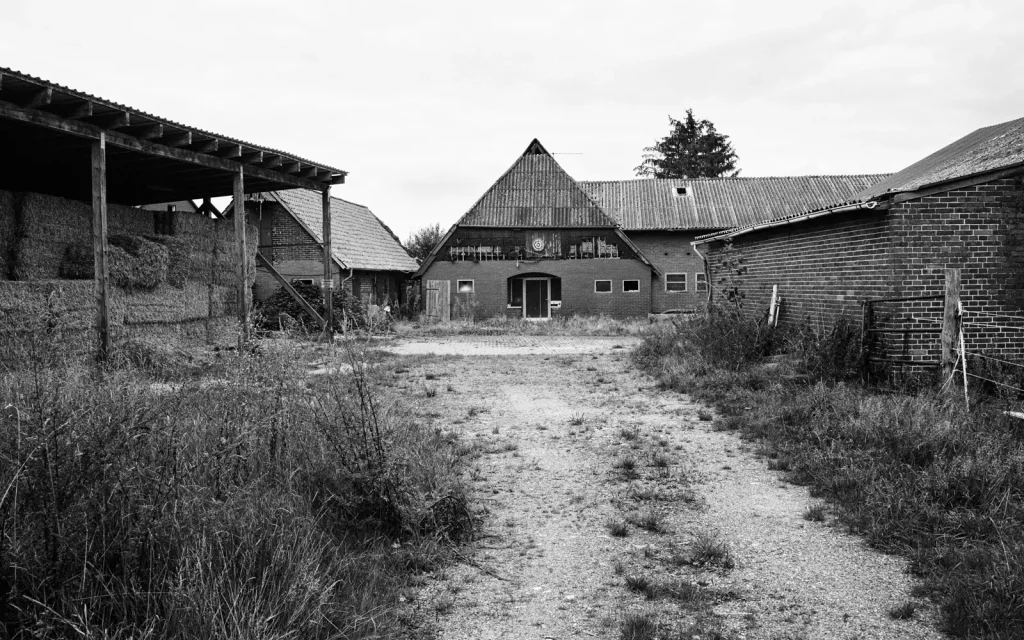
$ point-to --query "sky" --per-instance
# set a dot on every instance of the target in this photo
(426, 104)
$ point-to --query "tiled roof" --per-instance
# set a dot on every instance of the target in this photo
(718, 203)
(987, 149)
(536, 192)
(359, 240)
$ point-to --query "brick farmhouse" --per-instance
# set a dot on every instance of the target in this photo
(538, 244)
(960, 207)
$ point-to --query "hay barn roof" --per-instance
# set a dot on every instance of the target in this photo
(150, 159)
(718, 203)
(359, 240)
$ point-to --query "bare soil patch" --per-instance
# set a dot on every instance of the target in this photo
(609, 506)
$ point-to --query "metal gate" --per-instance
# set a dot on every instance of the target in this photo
(437, 295)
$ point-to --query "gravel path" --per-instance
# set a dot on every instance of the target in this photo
(550, 428)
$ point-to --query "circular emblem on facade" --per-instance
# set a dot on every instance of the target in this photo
(538, 244)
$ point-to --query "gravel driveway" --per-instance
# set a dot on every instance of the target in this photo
(551, 420)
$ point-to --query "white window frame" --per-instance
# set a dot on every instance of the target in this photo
(697, 282)
(458, 286)
(611, 286)
(685, 283)
(637, 290)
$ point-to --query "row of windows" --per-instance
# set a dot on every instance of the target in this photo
(674, 283)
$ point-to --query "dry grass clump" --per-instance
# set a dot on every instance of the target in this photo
(574, 325)
(257, 504)
(912, 471)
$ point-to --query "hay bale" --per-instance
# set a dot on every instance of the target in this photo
(179, 254)
(78, 263)
(137, 263)
(164, 304)
(8, 232)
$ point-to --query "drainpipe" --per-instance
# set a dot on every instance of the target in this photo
(707, 270)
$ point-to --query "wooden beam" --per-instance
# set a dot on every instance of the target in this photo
(263, 262)
(99, 246)
(82, 109)
(950, 328)
(181, 139)
(205, 146)
(39, 98)
(328, 281)
(251, 157)
(123, 141)
(148, 132)
(241, 252)
(271, 161)
(309, 172)
(118, 120)
(338, 179)
(291, 167)
(228, 150)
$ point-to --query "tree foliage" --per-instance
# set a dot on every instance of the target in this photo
(692, 149)
(423, 241)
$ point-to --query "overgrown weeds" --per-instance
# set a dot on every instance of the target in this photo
(913, 472)
(255, 504)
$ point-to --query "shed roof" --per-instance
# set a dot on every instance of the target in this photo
(47, 131)
(999, 146)
(718, 203)
(536, 192)
(359, 240)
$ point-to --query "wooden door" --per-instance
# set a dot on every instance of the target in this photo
(438, 300)
(536, 298)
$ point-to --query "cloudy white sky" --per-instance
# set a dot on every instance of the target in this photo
(427, 103)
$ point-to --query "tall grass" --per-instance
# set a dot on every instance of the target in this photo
(574, 325)
(916, 474)
(259, 504)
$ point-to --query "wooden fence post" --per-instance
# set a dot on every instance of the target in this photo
(241, 263)
(950, 330)
(328, 281)
(99, 245)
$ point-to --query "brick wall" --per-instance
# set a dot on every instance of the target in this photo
(825, 267)
(490, 297)
(671, 252)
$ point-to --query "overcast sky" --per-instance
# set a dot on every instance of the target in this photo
(427, 103)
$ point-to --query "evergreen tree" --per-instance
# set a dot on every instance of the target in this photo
(692, 149)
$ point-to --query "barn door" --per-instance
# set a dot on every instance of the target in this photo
(438, 294)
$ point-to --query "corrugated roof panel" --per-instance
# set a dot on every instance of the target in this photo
(358, 238)
(718, 203)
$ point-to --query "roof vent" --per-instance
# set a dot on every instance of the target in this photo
(681, 191)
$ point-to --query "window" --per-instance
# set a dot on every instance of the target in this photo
(515, 292)
(675, 282)
(465, 286)
(680, 191)
(700, 281)
(630, 285)
(602, 286)
(304, 280)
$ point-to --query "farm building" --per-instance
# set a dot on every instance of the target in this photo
(366, 257)
(79, 254)
(539, 244)
(961, 207)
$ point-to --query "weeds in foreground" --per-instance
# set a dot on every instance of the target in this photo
(134, 510)
(710, 549)
(638, 626)
(903, 611)
(617, 528)
(815, 513)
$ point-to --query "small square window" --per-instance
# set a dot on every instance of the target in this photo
(304, 280)
(675, 282)
(603, 286)
(630, 285)
(700, 281)
(465, 286)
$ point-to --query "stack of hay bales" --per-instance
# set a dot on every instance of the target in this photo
(182, 284)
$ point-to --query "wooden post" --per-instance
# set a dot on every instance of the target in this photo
(99, 245)
(773, 307)
(241, 254)
(950, 330)
(328, 282)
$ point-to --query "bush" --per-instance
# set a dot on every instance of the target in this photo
(281, 308)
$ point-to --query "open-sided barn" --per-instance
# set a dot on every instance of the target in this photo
(961, 207)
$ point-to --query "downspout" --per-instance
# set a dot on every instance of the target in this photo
(707, 269)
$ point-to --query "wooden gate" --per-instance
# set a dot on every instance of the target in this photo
(437, 294)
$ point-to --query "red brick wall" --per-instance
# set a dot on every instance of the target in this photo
(490, 297)
(671, 252)
(825, 267)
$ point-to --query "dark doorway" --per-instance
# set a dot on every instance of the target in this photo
(537, 298)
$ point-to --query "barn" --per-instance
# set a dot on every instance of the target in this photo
(540, 245)
(892, 248)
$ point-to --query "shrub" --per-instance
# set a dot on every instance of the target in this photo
(281, 308)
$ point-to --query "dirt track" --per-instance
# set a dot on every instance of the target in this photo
(549, 418)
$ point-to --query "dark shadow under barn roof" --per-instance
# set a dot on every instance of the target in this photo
(47, 130)
(648, 204)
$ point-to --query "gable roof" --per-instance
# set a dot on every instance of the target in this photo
(990, 148)
(536, 192)
(719, 203)
(359, 240)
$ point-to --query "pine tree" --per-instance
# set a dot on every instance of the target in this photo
(692, 149)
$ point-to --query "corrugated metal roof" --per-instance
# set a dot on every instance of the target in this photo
(359, 240)
(536, 192)
(987, 149)
(17, 76)
(718, 203)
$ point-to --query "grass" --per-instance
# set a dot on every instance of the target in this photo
(256, 504)
(567, 326)
(650, 520)
(903, 611)
(576, 419)
(617, 528)
(710, 549)
(638, 626)
(815, 513)
(907, 468)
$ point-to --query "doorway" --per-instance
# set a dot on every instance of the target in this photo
(537, 298)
